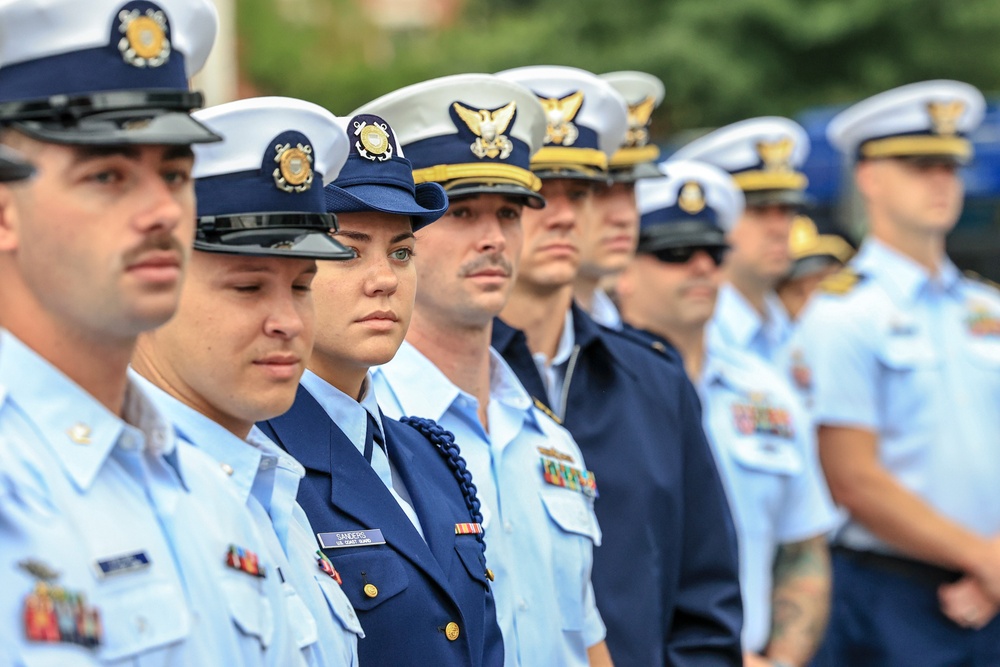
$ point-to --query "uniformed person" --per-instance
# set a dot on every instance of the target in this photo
(474, 134)
(814, 257)
(765, 156)
(904, 354)
(118, 544)
(394, 505)
(665, 576)
(760, 435)
(608, 236)
(234, 352)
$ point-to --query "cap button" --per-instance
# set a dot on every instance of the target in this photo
(451, 631)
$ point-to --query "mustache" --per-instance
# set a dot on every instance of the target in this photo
(490, 261)
(161, 243)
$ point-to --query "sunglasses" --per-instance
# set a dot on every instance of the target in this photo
(684, 254)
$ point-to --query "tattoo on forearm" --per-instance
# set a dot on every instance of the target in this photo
(801, 600)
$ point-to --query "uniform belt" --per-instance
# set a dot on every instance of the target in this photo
(916, 570)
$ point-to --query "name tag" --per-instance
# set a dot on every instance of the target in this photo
(122, 564)
(351, 538)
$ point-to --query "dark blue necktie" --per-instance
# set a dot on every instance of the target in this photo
(372, 435)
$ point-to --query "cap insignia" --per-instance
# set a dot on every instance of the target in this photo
(144, 41)
(691, 198)
(776, 155)
(944, 116)
(373, 140)
(489, 127)
(294, 171)
(559, 114)
(638, 123)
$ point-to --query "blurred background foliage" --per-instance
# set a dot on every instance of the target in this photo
(721, 60)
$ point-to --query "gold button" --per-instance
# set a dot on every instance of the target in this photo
(371, 591)
(489, 574)
(451, 631)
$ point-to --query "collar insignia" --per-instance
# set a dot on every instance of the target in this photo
(373, 140)
(144, 41)
(294, 171)
(776, 155)
(639, 115)
(489, 127)
(691, 198)
(944, 116)
(79, 433)
(559, 113)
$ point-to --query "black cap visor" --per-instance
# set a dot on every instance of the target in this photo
(292, 235)
(695, 233)
(111, 118)
(633, 173)
(527, 196)
(796, 198)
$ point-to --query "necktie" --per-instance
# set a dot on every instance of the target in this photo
(373, 435)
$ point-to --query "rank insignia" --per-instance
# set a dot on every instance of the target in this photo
(294, 171)
(547, 410)
(759, 417)
(559, 115)
(468, 528)
(944, 116)
(489, 127)
(327, 566)
(639, 115)
(53, 614)
(244, 560)
(144, 41)
(776, 156)
(691, 198)
(981, 322)
(79, 433)
(568, 477)
(372, 140)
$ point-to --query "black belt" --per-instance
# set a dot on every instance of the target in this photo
(924, 573)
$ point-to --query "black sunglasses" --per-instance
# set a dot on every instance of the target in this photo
(684, 254)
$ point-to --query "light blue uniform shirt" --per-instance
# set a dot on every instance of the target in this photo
(605, 312)
(324, 624)
(138, 523)
(766, 454)
(351, 417)
(738, 325)
(539, 537)
(914, 359)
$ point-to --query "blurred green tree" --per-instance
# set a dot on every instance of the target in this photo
(721, 60)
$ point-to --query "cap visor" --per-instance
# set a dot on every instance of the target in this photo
(797, 198)
(429, 204)
(688, 236)
(527, 196)
(287, 242)
(123, 127)
(634, 173)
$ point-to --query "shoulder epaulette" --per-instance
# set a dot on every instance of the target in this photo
(841, 282)
(547, 410)
(975, 277)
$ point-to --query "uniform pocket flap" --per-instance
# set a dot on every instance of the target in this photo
(371, 575)
(571, 512)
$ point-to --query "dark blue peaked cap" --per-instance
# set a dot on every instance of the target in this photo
(104, 71)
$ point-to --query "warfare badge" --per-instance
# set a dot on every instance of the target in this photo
(294, 171)
(489, 127)
(144, 41)
(373, 140)
(559, 114)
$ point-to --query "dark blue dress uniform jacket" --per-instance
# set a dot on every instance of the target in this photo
(666, 574)
(422, 586)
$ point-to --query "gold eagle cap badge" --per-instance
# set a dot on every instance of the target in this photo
(144, 41)
(776, 155)
(489, 127)
(944, 116)
(559, 116)
(294, 171)
(691, 198)
(639, 115)
(373, 141)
